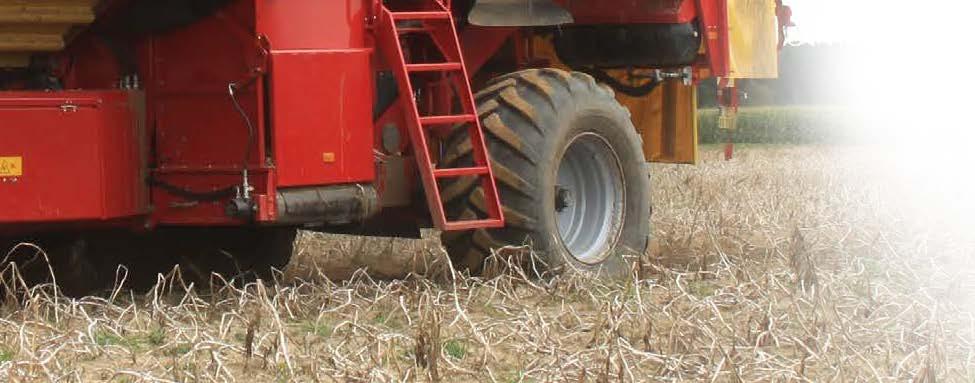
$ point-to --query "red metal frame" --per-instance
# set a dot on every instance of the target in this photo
(713, 15)
(436, 21)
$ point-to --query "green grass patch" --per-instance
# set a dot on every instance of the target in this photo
(322, 330)
(455, 348)
(179, 350)
(390, 320)
(6, 355)
(155, 338)
(104, 338)
(701, 289)
(782, 125)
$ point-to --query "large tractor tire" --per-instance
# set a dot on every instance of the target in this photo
(570, 171)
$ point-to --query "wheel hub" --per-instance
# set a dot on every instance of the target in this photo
(563, 198)
(589, 198)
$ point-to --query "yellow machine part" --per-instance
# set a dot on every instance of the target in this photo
(754, 39)
(32, 26)
(666, 119)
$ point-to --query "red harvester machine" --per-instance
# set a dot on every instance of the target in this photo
(134, 130)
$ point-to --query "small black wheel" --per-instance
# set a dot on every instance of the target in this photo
(570, 171)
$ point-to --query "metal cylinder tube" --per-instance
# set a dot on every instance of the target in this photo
(330, 205)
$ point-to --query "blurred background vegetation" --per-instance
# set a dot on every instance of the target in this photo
(800, 107)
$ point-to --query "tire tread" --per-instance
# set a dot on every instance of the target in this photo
(511, 108)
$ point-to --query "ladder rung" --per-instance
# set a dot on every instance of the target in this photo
(421, 15)
(406, 30)
(447, 120)
(460, 172)
(467, 225)
(435, 67)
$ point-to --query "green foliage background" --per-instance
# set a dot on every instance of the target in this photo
(782, 125)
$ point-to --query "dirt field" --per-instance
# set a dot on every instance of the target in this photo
(786, 264)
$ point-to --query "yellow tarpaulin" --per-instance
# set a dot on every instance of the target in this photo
(754, 35)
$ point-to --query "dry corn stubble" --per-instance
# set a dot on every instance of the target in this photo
(786, 264)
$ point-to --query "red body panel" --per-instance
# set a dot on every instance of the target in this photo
(82, 157)
(196, 125)
(313, 24)
(322, 122)
(321, 90)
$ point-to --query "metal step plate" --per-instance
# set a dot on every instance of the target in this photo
(518, 13)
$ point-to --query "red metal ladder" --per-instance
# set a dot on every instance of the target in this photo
(436, 20)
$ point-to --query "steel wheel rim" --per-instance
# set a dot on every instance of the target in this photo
(589, 198)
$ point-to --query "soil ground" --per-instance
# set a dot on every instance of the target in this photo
(785, 264)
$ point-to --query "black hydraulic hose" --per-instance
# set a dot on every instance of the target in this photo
(251, 131)
(245, 192)
(629, 90)
(187, 194)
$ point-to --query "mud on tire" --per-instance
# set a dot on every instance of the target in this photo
(540, 125)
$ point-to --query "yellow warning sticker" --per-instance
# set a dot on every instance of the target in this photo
(11, 166)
